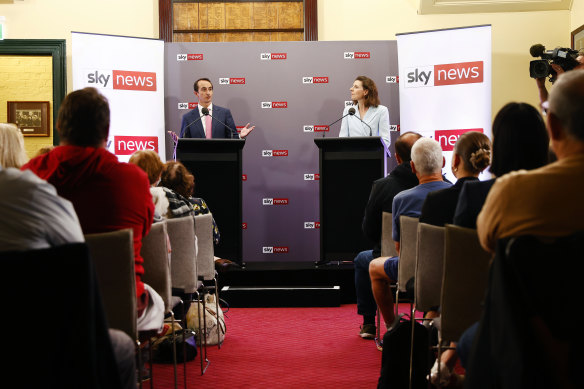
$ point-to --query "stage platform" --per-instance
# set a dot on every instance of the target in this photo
(288, 284)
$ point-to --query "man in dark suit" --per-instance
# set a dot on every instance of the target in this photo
(218, 123)
(380, 200)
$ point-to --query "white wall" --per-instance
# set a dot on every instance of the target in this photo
(513, 35)
(55, 19)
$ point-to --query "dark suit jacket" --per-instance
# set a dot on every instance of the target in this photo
(439, 206)
(381, 198)
(470, 202)
(221, 122)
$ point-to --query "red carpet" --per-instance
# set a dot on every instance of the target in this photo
(285, 348)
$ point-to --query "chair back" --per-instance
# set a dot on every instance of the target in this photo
(183, 262)
(408, 250)
(465, 277)
(156, 262)
(206, 254)
(429, 264)
(113, 256)
(65, 327)
(387, 243)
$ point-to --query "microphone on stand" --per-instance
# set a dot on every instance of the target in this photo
(351, 112)
(370, 129)
(182, 132)
(205, 112)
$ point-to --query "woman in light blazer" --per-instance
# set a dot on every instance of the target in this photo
(370, 117)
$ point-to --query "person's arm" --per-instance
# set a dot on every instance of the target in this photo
(384, 125)
(395, 223)
(542, 91)
(490, 227)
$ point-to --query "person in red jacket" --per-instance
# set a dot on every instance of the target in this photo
(107, 195)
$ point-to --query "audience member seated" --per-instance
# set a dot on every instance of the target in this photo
(179, 185)
(149, 161)
(35, 217)
(547, 201)
(471, 155)
(107, 195)
(427, 163)
(380, 200)
(12, 152)
(520, 141)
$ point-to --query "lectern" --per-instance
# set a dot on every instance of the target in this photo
(348, 167)
(216, 165)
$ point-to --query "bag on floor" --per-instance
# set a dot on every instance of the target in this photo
(162, 347)
(395, 357)
(213, 318)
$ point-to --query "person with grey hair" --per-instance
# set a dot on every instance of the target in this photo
(12, 153)
(427, 163)
(544, 201)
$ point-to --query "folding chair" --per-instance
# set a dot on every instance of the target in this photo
(113, 256)
(65, 336)
(428, 274)
(157, 275)
(206, 269)
(387, 250)
(183, 263)
(407, 258)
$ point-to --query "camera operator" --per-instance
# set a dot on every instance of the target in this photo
(559, 70)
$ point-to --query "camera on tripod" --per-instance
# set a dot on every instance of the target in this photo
(561, 56)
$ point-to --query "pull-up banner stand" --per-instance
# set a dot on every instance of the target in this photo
(445, 84)
(130, 73)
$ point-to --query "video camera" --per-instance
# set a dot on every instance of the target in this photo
(540, 68)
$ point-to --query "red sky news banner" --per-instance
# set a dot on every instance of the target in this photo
(445, 85)
(130, 73)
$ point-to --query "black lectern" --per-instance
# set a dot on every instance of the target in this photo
(216, 165)
(348, 167)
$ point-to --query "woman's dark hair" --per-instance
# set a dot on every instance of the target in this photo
(176, 177)
(520, 140)
(372, 98)
(474, 148)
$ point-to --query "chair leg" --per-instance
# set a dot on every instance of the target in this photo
(217, 312)
(413, 321)
(174, 362)
(202, 337)
(378, 341)
(139, 353)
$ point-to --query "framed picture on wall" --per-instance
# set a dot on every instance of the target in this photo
(32, 117)
(578, 38)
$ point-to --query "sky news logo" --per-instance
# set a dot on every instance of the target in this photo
(315, 80)
(274, 153)
(187, 105)
(348, 103)
(394, 127)
(275, 249)
(189, 57)
(274, 201)
(315, 128)
(446, 74)
(232, 81)
(244, 177)
(244, 226)
(273, 56)
(122, 80)
(311, 176)
(128, 145)
(392, 79)
(357, 55)
(311, 225)
(448, 138)
(274, 104)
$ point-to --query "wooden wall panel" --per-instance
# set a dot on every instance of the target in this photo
(191, 19)
(265, 15)
(290, 15)
(238, 15)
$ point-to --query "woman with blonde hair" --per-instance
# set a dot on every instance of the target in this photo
(12, 152)
(149, 161)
